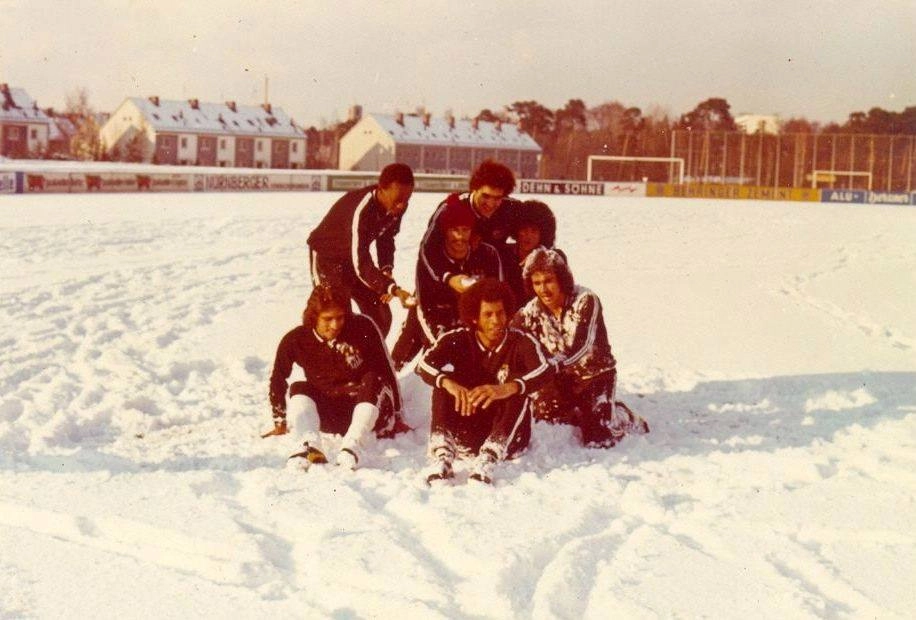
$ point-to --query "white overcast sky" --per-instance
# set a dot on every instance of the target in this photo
(820, 59)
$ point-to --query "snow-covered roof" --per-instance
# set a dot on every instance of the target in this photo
(16, 105)
(413, 129)
(61, 128)
(217, 118)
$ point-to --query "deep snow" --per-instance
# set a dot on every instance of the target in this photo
(771, 346)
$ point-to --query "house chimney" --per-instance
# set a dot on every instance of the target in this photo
(195, 104)
(399, 118)
(231, 106)
(267, 108)
(355, 113)
(475, 123)
(499, 125)
(154, 99)
(7, 96)
(451, 120)
(426, 118)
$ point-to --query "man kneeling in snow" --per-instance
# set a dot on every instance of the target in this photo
(349, 388)
(482, 374)
(567, 321)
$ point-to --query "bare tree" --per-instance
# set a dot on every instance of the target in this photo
(86, 143)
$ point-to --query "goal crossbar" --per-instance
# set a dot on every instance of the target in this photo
(831, 174)
(671, 160)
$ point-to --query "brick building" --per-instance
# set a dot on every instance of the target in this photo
(24, 128)
(437, 145)
(205, 134)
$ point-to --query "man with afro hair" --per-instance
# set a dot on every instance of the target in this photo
(482, 374)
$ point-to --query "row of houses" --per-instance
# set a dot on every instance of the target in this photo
(439, 145)
(192, 132)
(205, 134)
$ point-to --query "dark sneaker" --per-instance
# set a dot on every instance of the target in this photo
(596, 434)
(635, 424)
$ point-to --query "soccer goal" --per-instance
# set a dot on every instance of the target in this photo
(625, 158)
(829, 176)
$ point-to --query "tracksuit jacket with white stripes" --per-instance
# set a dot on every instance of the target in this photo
(504, 428)
(577, 340)
(346, 232)
(437, 301)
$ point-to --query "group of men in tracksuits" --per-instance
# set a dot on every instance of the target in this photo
(504, 334)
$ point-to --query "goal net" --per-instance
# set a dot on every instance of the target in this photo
(625, 168)
(830, 177)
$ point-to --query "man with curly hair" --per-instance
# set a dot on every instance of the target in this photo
(482, 375)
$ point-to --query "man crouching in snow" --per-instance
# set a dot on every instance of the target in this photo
(567, 321)
(482, 374)
(349, 388)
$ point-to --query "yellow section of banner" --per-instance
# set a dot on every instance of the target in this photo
(740, 192)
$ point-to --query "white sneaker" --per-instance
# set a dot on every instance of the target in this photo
(440, 468)
(347, 458)
(483, 467)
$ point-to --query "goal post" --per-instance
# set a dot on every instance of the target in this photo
(829, 176)
(626, 158)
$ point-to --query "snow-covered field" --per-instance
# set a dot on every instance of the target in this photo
(771, 346)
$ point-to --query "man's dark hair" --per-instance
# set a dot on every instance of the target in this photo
(324, 298)
(396, 173)
(542, 259)
(488, 290)
(538, 214)
(494, 174)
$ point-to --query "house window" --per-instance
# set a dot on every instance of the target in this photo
(33, 134)
(184, 142)
(260, 146)
(222, 144)
(295, 147)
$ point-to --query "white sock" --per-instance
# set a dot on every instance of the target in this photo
(302, 413)
(365, 415)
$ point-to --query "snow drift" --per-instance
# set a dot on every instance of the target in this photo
(771, 346)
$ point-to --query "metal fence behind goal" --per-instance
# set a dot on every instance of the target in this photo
(830, 160)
